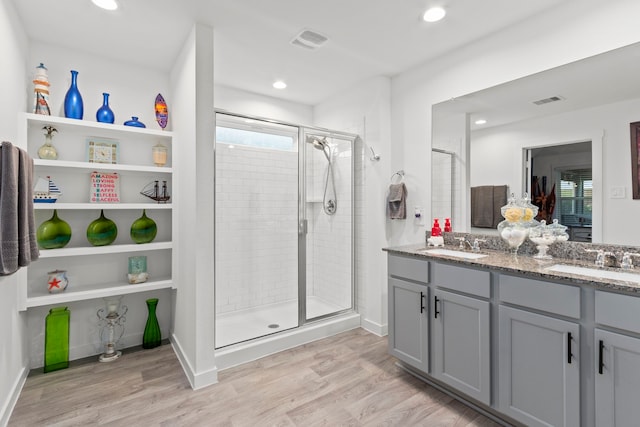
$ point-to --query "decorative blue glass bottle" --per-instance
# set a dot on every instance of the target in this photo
(104, 113)
(73, 106)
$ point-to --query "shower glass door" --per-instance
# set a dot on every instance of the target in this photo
(256, 228)
(328, 210)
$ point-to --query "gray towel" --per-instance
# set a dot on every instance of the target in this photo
(397, 201)
(18, 246)
(486, 201)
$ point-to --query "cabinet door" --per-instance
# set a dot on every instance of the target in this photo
(408, 323)
(539, 371)
(617, 379)
(460, 328)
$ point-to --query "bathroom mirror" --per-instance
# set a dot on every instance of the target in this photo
(588, 102)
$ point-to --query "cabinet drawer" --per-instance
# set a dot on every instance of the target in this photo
(546, 296)
(467, 280)
(409, 268)
(618, 311)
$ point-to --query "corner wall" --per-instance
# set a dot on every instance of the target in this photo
(364, 110)
(13, 342)
(191, 81)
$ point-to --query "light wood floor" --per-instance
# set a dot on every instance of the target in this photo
(346, 380)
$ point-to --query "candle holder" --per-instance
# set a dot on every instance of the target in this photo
(111, 327)
(159, 154)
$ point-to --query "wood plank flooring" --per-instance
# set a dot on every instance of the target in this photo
(345, 380)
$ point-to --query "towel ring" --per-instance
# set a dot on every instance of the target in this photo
(400, 173)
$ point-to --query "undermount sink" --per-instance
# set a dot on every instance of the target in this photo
(596, 272)
(452, 253)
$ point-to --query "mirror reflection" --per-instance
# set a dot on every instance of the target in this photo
(561, 135)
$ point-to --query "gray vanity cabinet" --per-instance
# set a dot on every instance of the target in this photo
(539, 363)
(617, 360)
(461, 330)
(408, 311)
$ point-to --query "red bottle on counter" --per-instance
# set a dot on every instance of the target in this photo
(436, 230)
(447, 225)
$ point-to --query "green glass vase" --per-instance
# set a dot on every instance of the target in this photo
(152, 335)
(143, 229)
(102, 231)
(56, 339)
(53, 233)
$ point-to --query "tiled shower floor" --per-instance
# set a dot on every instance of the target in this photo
(242, 325)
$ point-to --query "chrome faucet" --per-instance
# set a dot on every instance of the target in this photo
(476, 244)
(463, 243)
(627, 260)
(599, 256)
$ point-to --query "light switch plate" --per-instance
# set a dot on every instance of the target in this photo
(617, 193)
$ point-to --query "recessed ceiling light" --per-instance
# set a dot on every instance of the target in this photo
(106, 4)
(481, 122)
(434, 14)
(279, 84)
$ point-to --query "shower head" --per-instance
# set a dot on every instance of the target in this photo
(318, 143)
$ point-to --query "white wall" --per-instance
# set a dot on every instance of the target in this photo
(192, 86)
(252, 104)
(13, 346)
(573, 31)
(364, 110)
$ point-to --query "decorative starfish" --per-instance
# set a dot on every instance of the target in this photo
(54, 283)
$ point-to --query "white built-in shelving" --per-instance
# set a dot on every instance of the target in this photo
(98, 271)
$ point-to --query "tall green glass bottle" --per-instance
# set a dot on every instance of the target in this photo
(152, 335)
(56, 339)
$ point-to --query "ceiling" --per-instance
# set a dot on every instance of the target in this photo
(598, 80)
(367, 38)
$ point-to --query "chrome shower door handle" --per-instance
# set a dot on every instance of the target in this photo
(302, 226)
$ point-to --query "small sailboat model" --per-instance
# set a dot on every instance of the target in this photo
(46, 191)
(154, 191)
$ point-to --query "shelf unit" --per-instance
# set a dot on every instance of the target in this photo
(98, 271)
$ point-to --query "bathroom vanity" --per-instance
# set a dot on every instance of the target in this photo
(534, 342)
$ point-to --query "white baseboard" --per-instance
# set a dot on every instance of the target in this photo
(375, 328)
(245, 352)
(197, 380)
(16, 389)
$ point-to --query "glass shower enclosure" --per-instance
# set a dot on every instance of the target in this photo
(283, 226)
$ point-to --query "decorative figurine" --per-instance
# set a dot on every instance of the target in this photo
(47, 150)
(41, 91)
(57, 281)
(73, 105)
(137, 269)
(162, 113)
(159, 152)
(104, 113)
(111, 327)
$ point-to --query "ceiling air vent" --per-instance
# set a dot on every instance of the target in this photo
(548, 100)
(309, 39)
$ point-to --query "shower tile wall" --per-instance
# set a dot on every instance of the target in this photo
(256, 227)
(329, 254)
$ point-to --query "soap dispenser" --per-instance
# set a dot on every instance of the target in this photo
(436, 230)
(447, 225)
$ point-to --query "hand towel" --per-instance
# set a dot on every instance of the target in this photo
(397, 201)
(18, 246)
(482, 207)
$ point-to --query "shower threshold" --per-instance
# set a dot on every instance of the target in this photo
(242, 325)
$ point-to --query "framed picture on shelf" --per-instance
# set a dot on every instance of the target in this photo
(635, 158)
(102, 151)
(105, 188)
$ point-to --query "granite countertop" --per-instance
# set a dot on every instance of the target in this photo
(525, 265)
